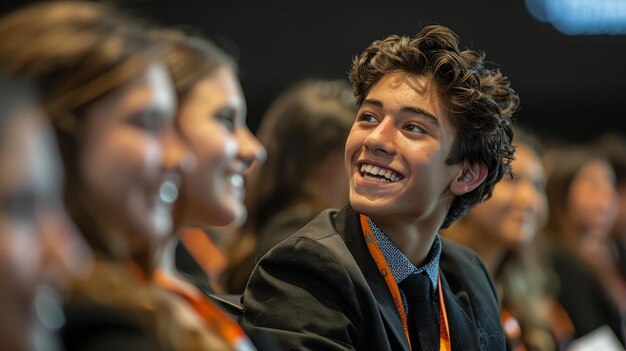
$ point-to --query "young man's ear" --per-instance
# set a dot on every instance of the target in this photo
(470, 177)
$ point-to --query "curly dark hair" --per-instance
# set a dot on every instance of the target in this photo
(480, 100)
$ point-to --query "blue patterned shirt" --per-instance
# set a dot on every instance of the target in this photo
(400, 265)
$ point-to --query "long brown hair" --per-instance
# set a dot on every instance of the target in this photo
(191, 58)
(76, 52)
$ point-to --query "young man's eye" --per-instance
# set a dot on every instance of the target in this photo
(366, 117)
(413, 128)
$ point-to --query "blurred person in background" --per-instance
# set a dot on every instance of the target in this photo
(40, 248)
(613, 146)
(212, 119)
(503, 231)
(206, 82)
(109, 95)
(583, 204)
(305, 131)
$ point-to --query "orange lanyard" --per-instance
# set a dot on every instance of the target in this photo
(204, 251)
(211, 314)
(385, 271)
(512, 330)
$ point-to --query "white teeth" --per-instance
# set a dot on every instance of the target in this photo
(377, 179)
(376, 173)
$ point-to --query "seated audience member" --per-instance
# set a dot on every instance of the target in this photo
(431, 138)
(40, 248)
(304, 131)
(109, 95)
(613, 146)
(212, 120)
(212, 195)
(582, 204)
(502, 230)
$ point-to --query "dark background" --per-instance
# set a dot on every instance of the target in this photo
(572, 87)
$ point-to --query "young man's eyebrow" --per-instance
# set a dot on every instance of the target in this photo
(373, 102)
(419, 111)
(410, 109)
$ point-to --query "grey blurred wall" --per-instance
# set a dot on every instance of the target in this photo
(572, 87)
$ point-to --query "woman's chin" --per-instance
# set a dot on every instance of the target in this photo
(239, 219)
(215, 214)
(232, 216)
(161, 226)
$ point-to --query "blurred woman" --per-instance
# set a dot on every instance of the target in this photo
(212, 120)
(583, 207)
(304, 130)
(613, 146)
(40, 248)
(502, 230)
(206, 83)
(109, 95)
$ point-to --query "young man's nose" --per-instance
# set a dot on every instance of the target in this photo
(382, 137)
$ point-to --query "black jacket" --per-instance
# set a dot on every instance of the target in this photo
(321, 290)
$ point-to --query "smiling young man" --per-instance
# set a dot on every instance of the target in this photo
(432, 137)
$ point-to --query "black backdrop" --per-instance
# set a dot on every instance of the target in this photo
(572, 87)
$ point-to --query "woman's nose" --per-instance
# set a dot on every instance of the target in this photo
(250, 148)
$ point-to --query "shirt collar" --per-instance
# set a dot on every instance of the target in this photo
(399, 264)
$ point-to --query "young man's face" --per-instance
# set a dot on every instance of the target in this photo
(403, 134)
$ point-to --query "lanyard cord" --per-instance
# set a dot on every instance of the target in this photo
(385, 271)
(210, 313)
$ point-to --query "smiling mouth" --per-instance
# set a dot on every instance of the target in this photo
(379, 174)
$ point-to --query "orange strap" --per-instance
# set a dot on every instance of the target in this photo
(204, 251)
(215, 318)
(385, 271)
(512, 330)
